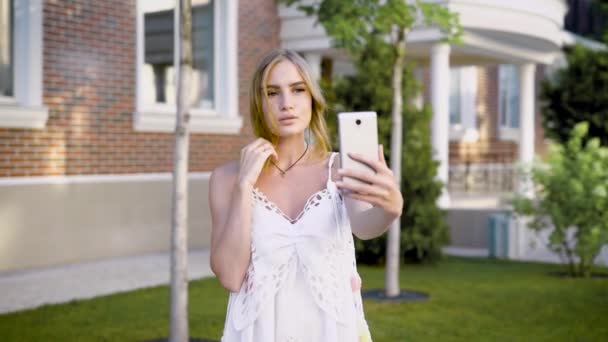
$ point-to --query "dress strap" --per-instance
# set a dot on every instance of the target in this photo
(340, 214)
(329, 168)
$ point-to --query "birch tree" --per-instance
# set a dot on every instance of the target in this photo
(353, 25)
(179, 216)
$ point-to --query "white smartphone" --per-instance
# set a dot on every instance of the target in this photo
(358, 133)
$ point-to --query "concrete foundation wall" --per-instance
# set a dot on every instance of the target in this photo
(469, 237)
(50, 221)
(469, 227)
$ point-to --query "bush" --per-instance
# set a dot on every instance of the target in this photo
(572, 191)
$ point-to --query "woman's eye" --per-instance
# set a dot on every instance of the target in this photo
(272, 93)
(299, 90)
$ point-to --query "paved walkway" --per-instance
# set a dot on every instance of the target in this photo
(29, 289)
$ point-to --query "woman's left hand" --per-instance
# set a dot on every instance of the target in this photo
(379, 189)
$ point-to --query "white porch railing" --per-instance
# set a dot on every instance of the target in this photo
(482, 178)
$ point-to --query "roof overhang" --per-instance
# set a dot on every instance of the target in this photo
(495, 32)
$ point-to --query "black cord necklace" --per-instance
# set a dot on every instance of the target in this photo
(290, 166)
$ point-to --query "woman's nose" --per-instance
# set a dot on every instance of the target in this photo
(286, 101)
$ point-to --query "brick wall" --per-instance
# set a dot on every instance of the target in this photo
(89, 88)
(487, 102)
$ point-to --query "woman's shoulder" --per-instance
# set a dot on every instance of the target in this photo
(225, 173)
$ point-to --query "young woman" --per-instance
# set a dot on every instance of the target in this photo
(282, 226)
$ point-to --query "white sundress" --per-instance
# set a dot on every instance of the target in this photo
(302, 283)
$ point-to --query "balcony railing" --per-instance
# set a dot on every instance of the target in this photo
(482, 167)
(482, 178)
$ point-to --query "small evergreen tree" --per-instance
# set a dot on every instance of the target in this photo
(577, 93)
(423, 227)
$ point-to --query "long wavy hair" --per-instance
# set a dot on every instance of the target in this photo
(258, 93)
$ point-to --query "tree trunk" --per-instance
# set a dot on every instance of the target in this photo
(570, 256)
(393, 256)
(179, 218)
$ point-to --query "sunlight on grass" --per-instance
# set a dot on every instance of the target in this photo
(470, 300)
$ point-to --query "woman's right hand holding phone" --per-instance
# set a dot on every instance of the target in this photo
(253, 158)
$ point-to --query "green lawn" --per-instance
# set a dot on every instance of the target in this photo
(471, 300)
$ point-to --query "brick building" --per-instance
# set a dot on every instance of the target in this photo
(87, 109)
(85, 153)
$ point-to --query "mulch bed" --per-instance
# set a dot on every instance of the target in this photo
(405, 296)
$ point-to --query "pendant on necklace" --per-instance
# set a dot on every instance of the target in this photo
(281, 171)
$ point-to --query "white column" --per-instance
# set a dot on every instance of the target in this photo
(526, 112)
(440, 100)
(314, 60)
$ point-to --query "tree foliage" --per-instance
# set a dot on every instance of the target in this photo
(572, 193)
(353, 24)
(578, 92)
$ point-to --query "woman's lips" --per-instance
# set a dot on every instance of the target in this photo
(287, 120)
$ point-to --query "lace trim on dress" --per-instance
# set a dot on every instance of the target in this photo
(313, 201)
(327, 280)
(327, 264)
(256, 289)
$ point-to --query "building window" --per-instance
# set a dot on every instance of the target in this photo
(159, 63)
(508, 96)
(463, 98)
(213, 100)
(6, 48)
(21, 64)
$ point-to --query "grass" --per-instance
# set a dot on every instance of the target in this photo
(471, 300)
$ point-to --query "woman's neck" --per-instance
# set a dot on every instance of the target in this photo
(290, 149)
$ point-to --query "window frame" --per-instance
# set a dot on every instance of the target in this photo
(11, 43)
(224, 118)
(24, 109)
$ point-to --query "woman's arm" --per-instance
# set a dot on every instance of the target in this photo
(367, 221)
(372, 207)
(230, 205)
(230, 188)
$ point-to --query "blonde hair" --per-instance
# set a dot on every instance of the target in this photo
(258, 93)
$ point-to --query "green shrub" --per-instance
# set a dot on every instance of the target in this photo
(571, 191)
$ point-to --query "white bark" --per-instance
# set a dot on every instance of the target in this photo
(393, 242)
(179, 230)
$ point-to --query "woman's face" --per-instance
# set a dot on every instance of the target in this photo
(289, 100)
